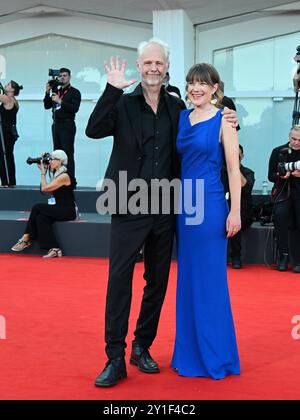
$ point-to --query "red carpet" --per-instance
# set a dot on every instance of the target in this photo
(54, 346)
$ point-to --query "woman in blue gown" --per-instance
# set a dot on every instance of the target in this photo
(205, 343)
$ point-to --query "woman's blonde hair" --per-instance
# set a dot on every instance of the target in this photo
(204, 72)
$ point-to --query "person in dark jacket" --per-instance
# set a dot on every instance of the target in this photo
(286, 198)
(173, 90)
(9, 108)
(65, 104)
(228, 102)
(247, 182)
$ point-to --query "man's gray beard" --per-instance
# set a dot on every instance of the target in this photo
(149, 83)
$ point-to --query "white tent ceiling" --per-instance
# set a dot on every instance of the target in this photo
(200, 11)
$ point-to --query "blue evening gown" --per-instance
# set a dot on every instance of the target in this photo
(205, 343)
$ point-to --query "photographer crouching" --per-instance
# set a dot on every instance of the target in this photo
(64, 100)
(9, 108)
(284, 171)
(42, 216)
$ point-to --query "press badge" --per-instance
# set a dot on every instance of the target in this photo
(51, 201)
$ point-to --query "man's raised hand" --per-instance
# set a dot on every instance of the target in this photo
(116, 73)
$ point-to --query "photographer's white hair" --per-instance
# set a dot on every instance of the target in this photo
(60, 155)
(154, 41)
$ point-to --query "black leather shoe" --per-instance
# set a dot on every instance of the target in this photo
(114, 370)
(296, 269)
(141, 358)
(283, 262)
(236, 263)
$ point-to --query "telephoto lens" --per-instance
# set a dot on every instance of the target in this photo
(292, 166)
(46, 158)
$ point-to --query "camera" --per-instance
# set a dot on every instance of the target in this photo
(2, 90)
(54, 83)
(45, 158)
(284, 167)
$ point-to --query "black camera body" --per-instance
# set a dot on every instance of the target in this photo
(282, 159)
(45, 158)
(54, 83)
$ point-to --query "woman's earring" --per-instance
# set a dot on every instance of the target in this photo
(213, 99)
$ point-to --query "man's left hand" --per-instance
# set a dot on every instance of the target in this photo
(230, 116)
(296, 173)
(56, 98)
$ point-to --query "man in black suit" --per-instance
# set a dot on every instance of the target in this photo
(144, 126)
(65, 103)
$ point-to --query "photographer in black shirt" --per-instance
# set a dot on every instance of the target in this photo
(286, 197)
(65, 104)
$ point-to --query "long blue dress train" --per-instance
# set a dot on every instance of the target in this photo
(205, 343)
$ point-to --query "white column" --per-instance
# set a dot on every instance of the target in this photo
(176, 29)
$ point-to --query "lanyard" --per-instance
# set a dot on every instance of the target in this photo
(61, 96)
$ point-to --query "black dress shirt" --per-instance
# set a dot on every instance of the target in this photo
(157, 140)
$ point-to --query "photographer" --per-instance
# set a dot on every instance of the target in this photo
(286, 197)
(8, 119)
(64, 102)
(42, 216)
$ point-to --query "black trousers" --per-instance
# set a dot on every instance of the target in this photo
(287, 217)
(9, 143)
(128, 234)
(235, 243)
(40, 223)
(63, 133)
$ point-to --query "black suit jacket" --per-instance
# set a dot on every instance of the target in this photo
(174, 89)
(228, 102)
(119, 115)
(69, 107)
